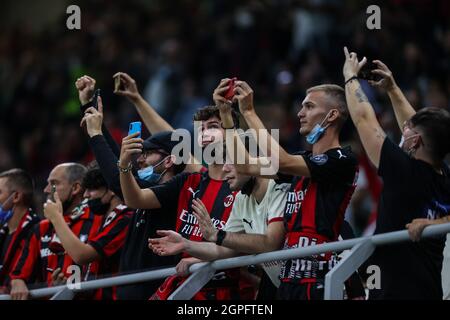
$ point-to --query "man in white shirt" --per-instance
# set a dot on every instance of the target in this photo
(255, 225)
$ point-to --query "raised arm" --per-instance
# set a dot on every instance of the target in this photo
(402, 108)
(275, 155)
(79, 251)
(133, 195)
(152, 120)
(361, 111)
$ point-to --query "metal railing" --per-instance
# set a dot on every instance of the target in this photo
(201, 273)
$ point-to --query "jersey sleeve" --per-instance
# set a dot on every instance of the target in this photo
(111, 239)
(234, 222)
(277, 204)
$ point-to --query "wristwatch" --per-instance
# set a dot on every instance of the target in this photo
(220, 237)
(124, 170)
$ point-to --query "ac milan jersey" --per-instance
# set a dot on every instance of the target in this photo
(315, 211)
(12, 244)
(108, 242)
(43, 252)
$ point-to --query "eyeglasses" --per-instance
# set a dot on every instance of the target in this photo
(145, 154)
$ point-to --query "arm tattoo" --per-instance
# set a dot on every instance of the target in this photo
(361, 95)
(379, 133)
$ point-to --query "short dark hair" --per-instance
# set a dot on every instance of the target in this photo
(20, 180)
(435, 124)
(208, 112)
(337, 94)
(93, 179)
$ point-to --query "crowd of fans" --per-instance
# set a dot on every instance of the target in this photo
(177, 53)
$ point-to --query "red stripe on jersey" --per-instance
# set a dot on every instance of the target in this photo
(275, 220)
(209, 197)
(185, 197)
(293, 219)
(309, 209)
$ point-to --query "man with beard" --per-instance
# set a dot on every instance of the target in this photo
(153, 167)
(101, 253)
(176, 198)
(43, 257)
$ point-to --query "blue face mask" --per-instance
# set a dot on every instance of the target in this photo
(148, 174)
(5, 215)
(317, 132)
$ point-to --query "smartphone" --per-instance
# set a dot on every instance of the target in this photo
(135, 127)
(95, 98)
(366, 72)
(230, 93)
(118, 85)
(52, 193)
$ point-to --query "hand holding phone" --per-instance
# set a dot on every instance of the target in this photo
(135, 127)
(366, 72)
(52, 193)
(95, 98)
(118, 83)
(230, 93)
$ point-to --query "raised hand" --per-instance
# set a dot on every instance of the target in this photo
(244, 96)
(387, 81)
(129, 86)
(53, 209)
(93, 119)
(131, 145)
(169, 244)
(218, 95)
(204, 220)
(85, 86)
(352, 65)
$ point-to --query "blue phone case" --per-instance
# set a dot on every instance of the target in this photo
(135, 127)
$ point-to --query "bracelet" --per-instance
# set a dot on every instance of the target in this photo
(124, 170)
(220, 237)
(351, 78)
(233, 127)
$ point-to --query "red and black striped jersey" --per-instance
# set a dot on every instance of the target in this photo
(315, 211)
(176, 197)
(12, 244)
(43, 252)
(108, 242)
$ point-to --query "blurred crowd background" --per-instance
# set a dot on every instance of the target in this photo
(177, 51)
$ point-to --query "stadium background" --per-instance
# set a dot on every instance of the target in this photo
(178, 51)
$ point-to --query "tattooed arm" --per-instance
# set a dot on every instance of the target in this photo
(361, 111)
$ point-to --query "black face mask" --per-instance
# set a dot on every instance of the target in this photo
(98, 207)
(66, 204)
